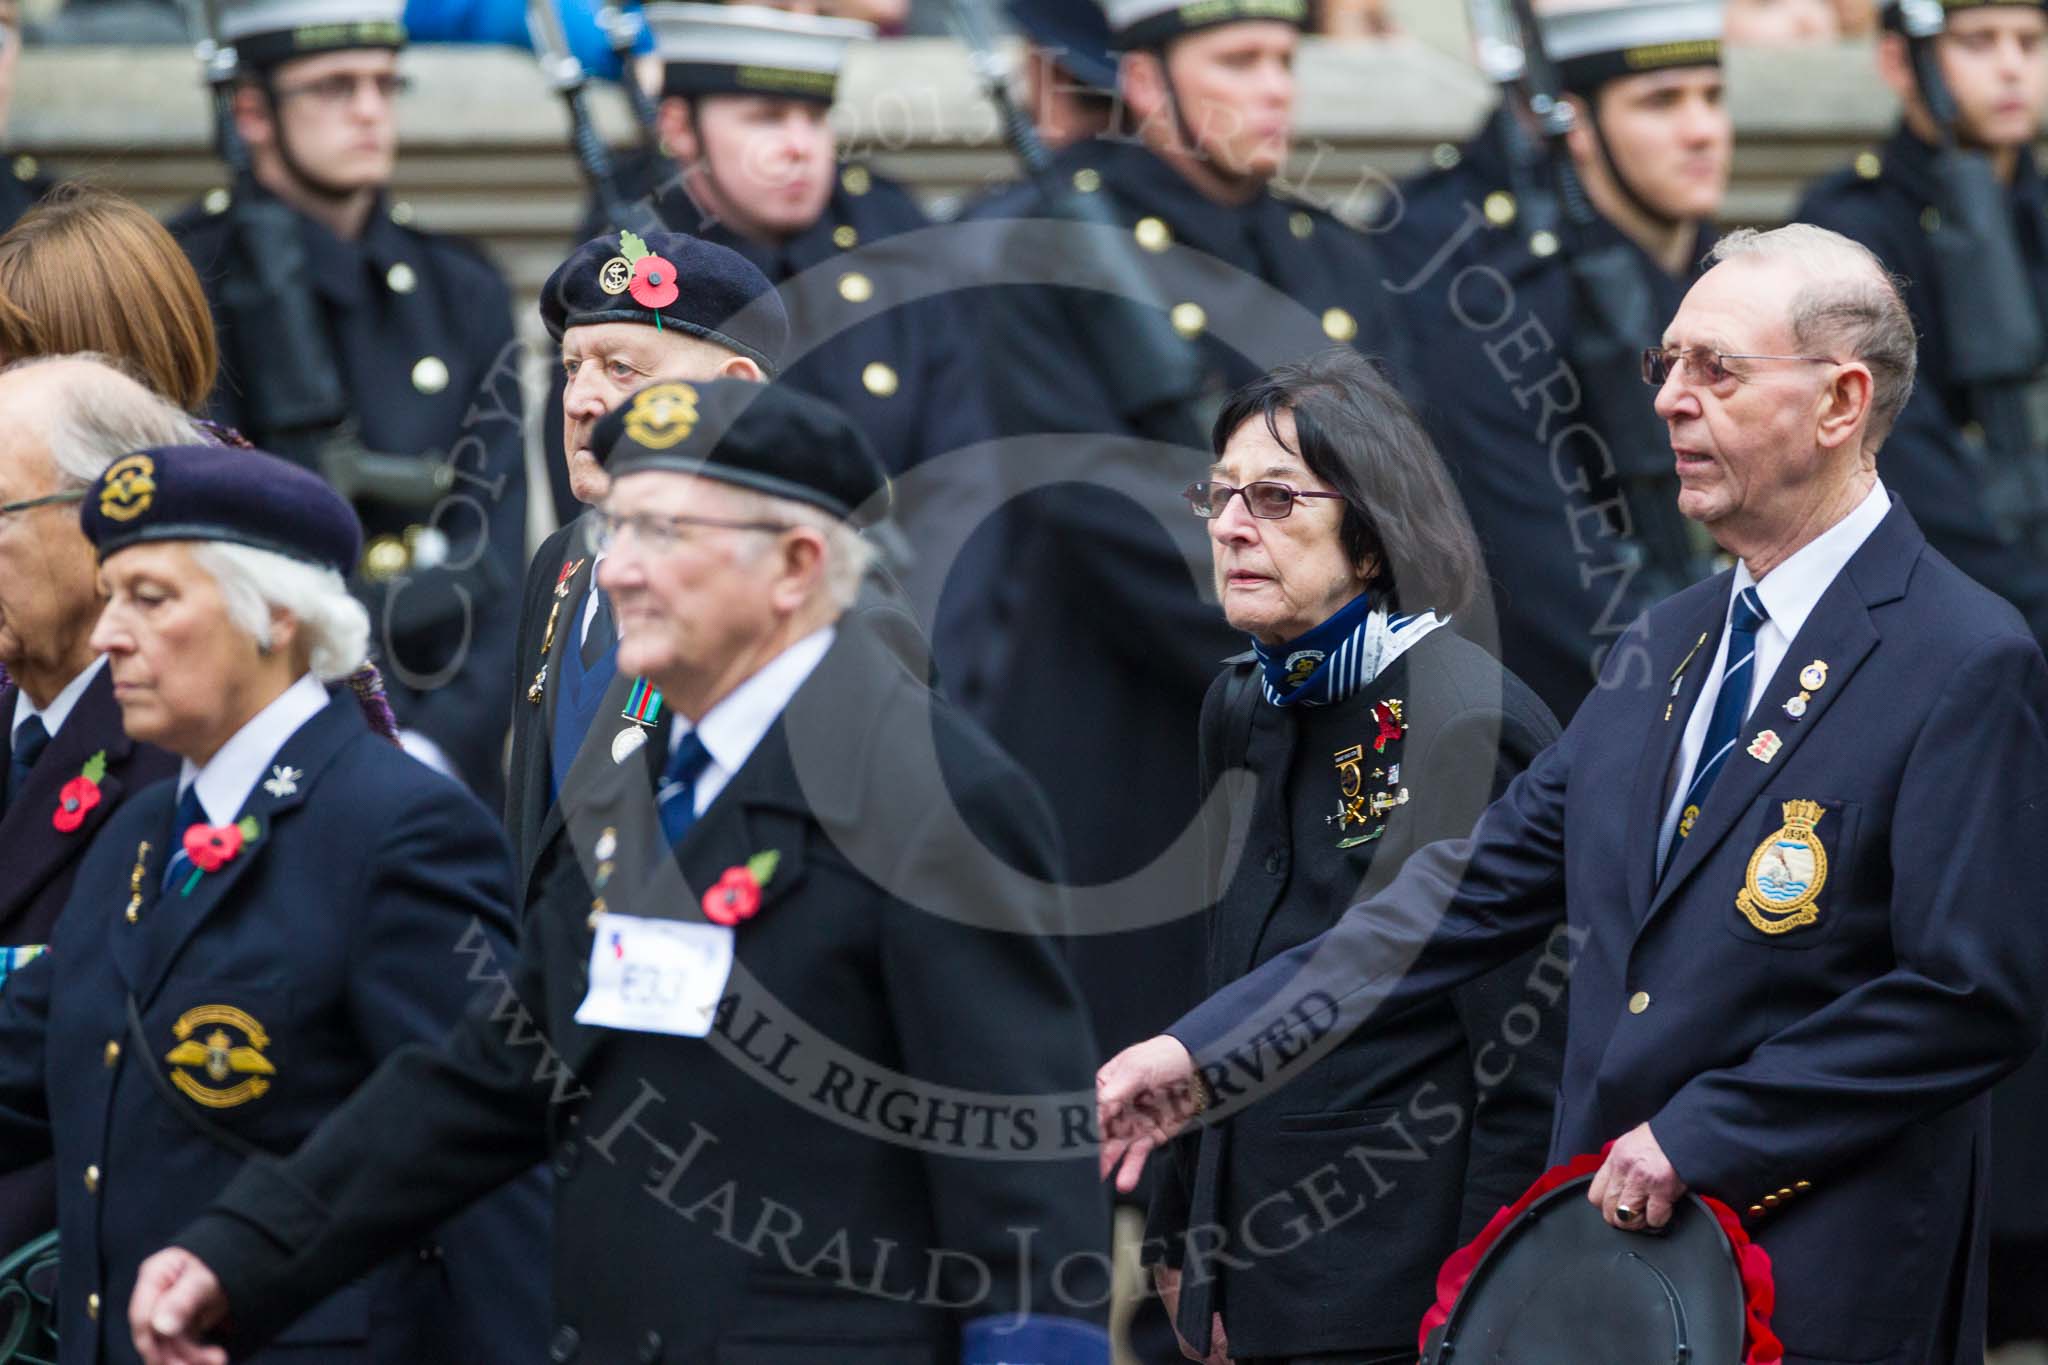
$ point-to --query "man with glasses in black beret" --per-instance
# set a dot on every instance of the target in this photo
(408, 333)
(816, 1023)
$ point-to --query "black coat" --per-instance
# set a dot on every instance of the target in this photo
(1823, 1075)
(22, 183)
(420, 329)
(335, 938)
(722, 1199)
(1495, 320)
(1457, 1092)
(41, 862)
(1098, 632)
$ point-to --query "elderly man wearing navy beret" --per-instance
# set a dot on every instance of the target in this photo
(626, 310)
(805, 1056)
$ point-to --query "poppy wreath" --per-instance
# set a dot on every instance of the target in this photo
(78, 796)
(1759, 1290)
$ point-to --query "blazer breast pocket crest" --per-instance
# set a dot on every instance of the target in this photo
(1781, 889)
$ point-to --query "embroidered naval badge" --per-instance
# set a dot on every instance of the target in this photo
(1302, 663)
(1351, 798)
(225, 1066)
(1765, 746)
(1786, 873)
(283, 781)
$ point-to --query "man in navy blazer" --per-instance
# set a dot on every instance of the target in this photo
(1799, 831)
(58, 721)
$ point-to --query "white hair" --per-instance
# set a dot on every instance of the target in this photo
(848, 554)
(96, 413)
(254, 583)
(1848, 304)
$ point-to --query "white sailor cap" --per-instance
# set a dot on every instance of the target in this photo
(1597, 43)
(751, 50)
(1895, 12)
(266, 32)
(1138, 24)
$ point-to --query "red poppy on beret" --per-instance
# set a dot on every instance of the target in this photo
(654, 282)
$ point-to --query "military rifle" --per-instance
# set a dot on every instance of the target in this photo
(1990, 313)
(572, 83)
(297, 407)
(1155, 376)
(1613, 319)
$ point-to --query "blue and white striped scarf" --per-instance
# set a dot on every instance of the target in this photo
(1343, 654)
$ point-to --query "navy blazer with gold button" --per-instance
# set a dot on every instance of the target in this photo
(1819, 1060)
(333, 938)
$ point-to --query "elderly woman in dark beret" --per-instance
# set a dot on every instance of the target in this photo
(245, 942)
(1371, 729)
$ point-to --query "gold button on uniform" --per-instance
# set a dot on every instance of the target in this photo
(1756, 1210)
(430, 374)
(217, 201)
(25, 168)
(1543, 245)
(385, 557)
(855, 287)
(92, 1306)
(1770, 1201)
(856, 180)
(1445, 156)
(1869, 166)
(878, 379)
(92, 1180)
(1153, 234)
(1500, 208)
(1087, 180)
(1339, 325)
(1301, 225)
(1639, 1002)
(1802, 1185)
(401, 278)
(1930, 219)
(112, 1054)
(401, 213)
(1188, 319)
(844, 237)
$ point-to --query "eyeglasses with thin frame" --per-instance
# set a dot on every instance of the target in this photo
(8, 509)
(340, 89)
(1707, 367)
(1263, 498)
(658, 534)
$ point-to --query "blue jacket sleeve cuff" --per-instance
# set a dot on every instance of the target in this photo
(1007, 1339)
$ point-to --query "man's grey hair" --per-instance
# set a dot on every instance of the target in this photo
(1852, 308)
(848, 554)
(95, 412)
(253, 583)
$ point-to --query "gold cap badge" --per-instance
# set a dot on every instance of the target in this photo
(129, 488)
(662, 415)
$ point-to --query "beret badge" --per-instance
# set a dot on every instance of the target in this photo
(662, 415)
(615, 275)
(128, 489)
(649, 278)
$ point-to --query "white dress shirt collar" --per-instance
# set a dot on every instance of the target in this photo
(61, 706)
(233, 772)
(734, 727)
(1792, 590)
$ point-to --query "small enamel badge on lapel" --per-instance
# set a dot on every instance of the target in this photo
(1795, 707)
(135, 881)
(283, 781)
(1678, 674)
(1765, 746)
(538, 688)
(1814, 676)
(606, 848)
(1351, 799)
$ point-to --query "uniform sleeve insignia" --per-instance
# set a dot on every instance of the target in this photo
(1786, 873)
(129, 489)
(223, 1066)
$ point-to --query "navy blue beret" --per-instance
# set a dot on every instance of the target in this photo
(244, 497)
(767, 437)
(669, 279)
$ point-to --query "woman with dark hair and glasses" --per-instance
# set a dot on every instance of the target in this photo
(1341, 548)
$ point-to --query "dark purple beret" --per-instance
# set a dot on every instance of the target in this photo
(767, 437)
(243, 497)
(669, 279)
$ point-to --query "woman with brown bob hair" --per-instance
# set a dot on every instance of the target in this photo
(90, 270)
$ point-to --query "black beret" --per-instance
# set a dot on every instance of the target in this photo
(244, 497)
(767, 437)
(669, 279)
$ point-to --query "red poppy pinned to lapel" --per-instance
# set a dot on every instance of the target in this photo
(1388, 714)
(212, 847)
(736, 895)
(78, 796)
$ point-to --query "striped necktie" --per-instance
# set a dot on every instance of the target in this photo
(677, 797)
(1731, 705)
